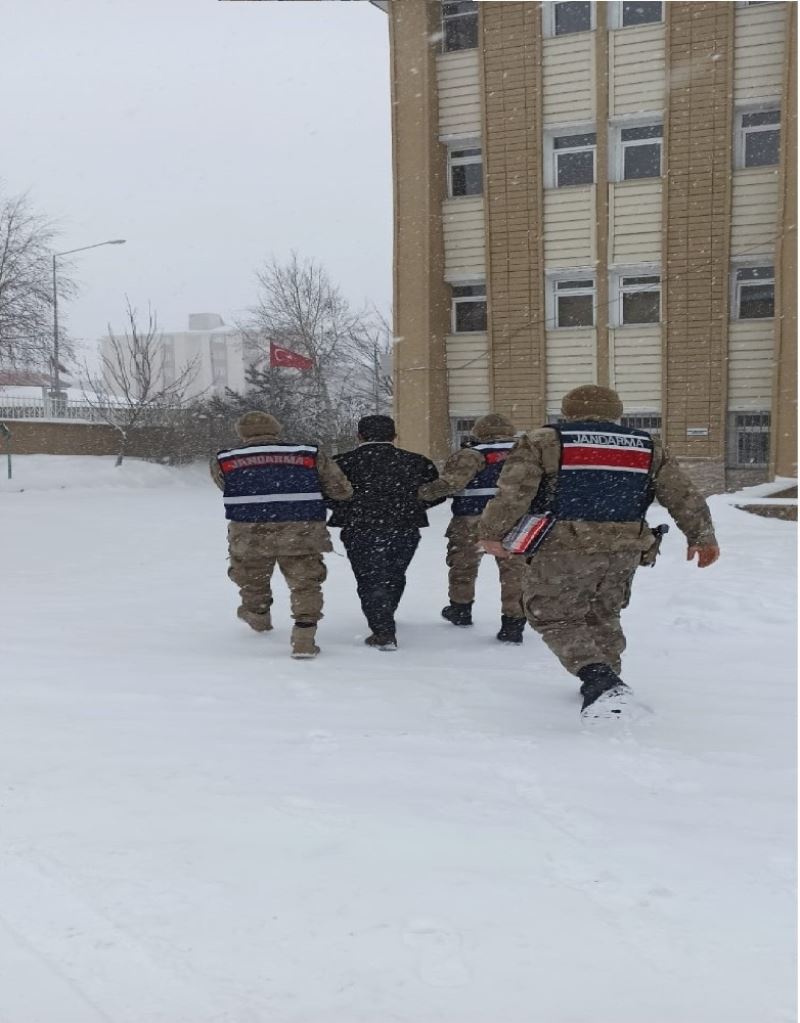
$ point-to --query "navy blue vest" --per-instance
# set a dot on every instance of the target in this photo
(603, 474)
(272, 483)
(483, 485)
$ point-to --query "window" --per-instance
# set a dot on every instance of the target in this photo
(461, 430)
(754, 293)
(459, 26)
(758, 139)
(219, 364)
(573, 302)
(168, 362)
(465, 172)
(649, 421)
(639, 299)
(469, 308)
(638, 13)
(640, 152)
(748, 439)
(573, 157)
(570, 17)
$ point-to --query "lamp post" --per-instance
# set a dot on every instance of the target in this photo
(55, 393)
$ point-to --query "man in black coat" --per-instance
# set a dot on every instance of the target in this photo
(381, 524)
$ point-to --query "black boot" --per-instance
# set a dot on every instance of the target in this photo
(458, 614)
(511, 629)
(383, 640)
(598, 680)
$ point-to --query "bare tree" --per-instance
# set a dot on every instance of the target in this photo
(131, 389)
(27, 240)
(370, 348)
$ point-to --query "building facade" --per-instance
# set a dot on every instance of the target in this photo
(598, 192)
(219, 356)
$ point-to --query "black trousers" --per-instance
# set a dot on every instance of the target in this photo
(379, 559)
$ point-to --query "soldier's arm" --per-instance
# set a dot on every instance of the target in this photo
(458, 470)
(516, 488)
(216, 473)
(676, 492)
(335, 485)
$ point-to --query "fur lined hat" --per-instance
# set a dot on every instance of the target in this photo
(592, 402)
(258, 424)
(492, 425)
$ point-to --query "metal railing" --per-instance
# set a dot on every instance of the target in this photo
(73, 411)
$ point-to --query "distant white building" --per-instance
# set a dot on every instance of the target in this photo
(220, 354)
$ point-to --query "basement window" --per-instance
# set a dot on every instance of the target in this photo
(459, 26)
(562, 19)
(461, 430)
(754, 292)
(638, 13)
(748, 439)
(649, 421)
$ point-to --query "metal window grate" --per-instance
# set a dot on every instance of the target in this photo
(461, 430)
(748, 439)
(644, 421)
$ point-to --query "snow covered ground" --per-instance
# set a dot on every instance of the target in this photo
(197, 829)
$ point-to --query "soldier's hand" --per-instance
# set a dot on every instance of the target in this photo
(494, 547)
(707, 554)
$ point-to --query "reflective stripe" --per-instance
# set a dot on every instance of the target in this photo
(266, 449)
(499, 444)
(602, 468)
(478, 492)
(267, 498)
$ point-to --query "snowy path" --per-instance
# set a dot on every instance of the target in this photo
(196, 829)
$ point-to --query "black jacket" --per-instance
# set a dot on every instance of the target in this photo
(385, 482)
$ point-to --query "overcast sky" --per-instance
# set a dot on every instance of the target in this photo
(208, 133)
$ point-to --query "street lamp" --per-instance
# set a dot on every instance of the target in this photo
(56, 391)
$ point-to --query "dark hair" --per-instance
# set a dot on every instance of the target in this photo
(377, 428)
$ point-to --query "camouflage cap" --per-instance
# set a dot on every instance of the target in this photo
(592, 402)
(492, 425)
(258, 424)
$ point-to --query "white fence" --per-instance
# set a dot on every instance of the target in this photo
(72, 411)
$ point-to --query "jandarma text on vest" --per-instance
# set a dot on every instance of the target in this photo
(252, 461)
(616, 440)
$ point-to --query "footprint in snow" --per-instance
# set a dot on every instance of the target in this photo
(439, 962)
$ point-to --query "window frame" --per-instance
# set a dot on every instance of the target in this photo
(552, 295)
(736, 285)
(456, 146)
(618, 289)
(458, 428)
(549, 20)
(453, 17)
(636, 421)
(617, 169)
(615, 10)
(552, 154)
(456, 300)
(741, 132)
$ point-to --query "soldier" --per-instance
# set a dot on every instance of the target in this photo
(274, 497)
(596, 479)
(470, 476)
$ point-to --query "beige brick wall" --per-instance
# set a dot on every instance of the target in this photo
(696, 241)
(512, 73)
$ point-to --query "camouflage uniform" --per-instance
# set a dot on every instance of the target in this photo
(463, 554)
(255, 548)
(579, 580)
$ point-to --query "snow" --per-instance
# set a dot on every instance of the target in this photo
(197, 829)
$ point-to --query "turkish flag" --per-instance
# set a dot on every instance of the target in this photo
(286, 359)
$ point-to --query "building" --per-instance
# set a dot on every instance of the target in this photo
(219, 354)
(598, 192)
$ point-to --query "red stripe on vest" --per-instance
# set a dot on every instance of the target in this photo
(255, 461)
(495, 456)
(605, 458)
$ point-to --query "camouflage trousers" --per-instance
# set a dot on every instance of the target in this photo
(574, 601)
(252, 563)
(463, 561)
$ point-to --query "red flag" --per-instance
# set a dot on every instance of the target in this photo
(287, 359)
